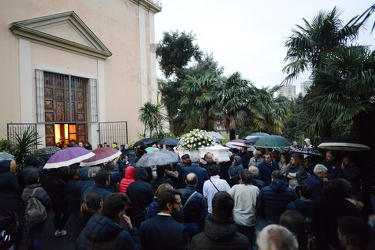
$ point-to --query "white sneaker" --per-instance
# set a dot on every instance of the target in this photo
(61, 233)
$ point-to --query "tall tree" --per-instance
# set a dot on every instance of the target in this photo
(199, 97)
(234, 96)
(175, 51)
(269, 114)
(307, 44)
(152, 117)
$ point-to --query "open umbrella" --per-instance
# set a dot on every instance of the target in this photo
(256, 134)
(49, 150)
(343, 144)
(237, 143)
(158, 159)
(67, 157)
(169, 141)
(6, 156)
(102, 155)
(272, 141)
(217, 135)
(307, 151)
(145, 142)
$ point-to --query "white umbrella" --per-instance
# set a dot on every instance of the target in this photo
(343, 146)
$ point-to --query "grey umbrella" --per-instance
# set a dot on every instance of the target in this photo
(343, 144)
(308, 151)
(158, 159)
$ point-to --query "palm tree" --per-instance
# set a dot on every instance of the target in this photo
(24, 144)
(152, 117)
(344, 88)
(268, 113)
(307, 44)
(199, 97)
(235, 93)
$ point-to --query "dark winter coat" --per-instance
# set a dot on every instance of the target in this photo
(325, 212)
(8, 180)
(140, 194)
(196, 210)
(74, 196)
(219, 236)
(163, 232)
(265, 171)
(235, 170)
(103, 233)
(300, 205)
(40, 194)
(316, 185)
(273, 200)
(97, 188)
(201, 174)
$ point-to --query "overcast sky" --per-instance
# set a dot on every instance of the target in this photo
(249, 35)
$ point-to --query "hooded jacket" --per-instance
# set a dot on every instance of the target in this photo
(103, 233)
(129, 177)
(273, 200)
(219, 236)
(8, 180)
(235, 170)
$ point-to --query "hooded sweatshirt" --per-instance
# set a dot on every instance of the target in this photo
(129, 177)
(219, 235)
(8, 180)
(235, 170)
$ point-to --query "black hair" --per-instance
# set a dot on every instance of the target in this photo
(246, 177)
(306, 191)
(32, 178)
(222, 206)
(355, 230)
(113, 204)
(167, 196)
(212, 170)
(101, 177)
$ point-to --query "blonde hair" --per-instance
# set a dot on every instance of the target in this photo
(13, 166)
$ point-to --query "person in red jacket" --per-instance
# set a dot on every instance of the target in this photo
(129, 178)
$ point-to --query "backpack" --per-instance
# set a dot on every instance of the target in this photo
(35, 212)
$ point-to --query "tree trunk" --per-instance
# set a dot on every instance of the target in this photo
(232, 134)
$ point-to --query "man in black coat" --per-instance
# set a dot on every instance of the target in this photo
(140, 194)
(266, 168)
(163, 231)
(103, 231)
(194, 209)
(220, 231)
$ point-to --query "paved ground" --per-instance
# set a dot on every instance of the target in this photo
(49, 239)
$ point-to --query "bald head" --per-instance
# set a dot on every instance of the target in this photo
(191, 179)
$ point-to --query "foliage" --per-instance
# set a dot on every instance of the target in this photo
(175, 51)
(25, 144)
(195, 139)
(234, 96)
(199, 97)
(152, 118)
(6, 145)
(307, 44)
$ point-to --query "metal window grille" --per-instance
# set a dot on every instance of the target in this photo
(113, 132)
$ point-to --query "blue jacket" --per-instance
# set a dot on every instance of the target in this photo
(300, 205)
(163, 232)
(100, 189)
(265, 171)
(316, 185)
(273, 200)
(196, 210)
(200, 172)
(103, 233)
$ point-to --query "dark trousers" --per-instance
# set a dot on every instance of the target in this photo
(34, 236)
(249, 232)
(61, 216)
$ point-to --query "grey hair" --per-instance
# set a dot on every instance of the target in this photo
(254, 171)
(276, 237)
(319, 168)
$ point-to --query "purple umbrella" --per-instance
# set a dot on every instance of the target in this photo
(67, 157)
(102, 155)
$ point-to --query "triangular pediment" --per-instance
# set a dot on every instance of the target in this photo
(64, 31)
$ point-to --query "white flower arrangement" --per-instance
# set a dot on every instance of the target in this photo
(195, 139)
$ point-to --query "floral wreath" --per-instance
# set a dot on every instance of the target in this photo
(195, 139)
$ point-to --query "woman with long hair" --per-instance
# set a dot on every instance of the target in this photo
(91, 205)
(296, 172)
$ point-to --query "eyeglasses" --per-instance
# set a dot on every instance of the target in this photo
(178, 203)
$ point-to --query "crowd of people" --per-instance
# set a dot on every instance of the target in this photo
(265, 199)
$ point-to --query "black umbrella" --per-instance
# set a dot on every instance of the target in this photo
(253, 140)
(145, 142)
(169, 141)
(307, 151)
